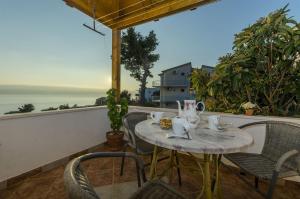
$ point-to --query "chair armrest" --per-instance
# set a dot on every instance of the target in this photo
(253, 124)
(76, 181)
(284, 158)
(139, 162)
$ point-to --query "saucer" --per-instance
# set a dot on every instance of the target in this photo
(183, 136)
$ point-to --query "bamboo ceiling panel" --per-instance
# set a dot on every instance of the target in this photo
(120, 14)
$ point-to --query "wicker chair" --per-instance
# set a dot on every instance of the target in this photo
(140, 146)
(280, 156)
(79, 187)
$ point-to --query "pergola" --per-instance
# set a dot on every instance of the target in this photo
(120, 14)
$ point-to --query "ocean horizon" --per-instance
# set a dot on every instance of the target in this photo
(42, 97)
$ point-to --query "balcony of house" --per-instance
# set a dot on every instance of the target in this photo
(175, 83)
(35, 148)
(171, 83)
(173, 98)
(155, 98)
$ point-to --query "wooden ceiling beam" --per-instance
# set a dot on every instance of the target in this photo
(156, 12)
(102, 9)
(120, 14)
(115, 12)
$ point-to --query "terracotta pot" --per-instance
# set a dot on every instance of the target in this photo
(115, 140)
(249, 112)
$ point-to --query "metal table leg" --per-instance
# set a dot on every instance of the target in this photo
(216, 185)
(171, 165)
(153, 163)
(211, 187)
(207, 178)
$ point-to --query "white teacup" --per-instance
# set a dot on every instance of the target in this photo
(156, 116)
(214, 122)
(180, 126)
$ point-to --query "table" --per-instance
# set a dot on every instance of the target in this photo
(206, 141)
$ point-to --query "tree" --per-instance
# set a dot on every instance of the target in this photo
(26, 108)
(199, 81)
(50, 109)
(137, 55)
(126, 94)
(264, 67)
(75, 106)
(100, 101)
(64, 106)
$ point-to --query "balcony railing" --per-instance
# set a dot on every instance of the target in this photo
(155, 98)
(173, 98)
(170, 83)
(29, 141)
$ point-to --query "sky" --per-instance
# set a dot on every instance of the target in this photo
(43, 42)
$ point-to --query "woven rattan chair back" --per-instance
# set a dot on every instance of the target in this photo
(282, 137)
(77, 183)
(129, 122)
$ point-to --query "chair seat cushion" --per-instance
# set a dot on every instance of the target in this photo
(157, 190)
(258, 165)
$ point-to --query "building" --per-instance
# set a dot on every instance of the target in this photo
(208, 69)
(152, 94)
(175, 84)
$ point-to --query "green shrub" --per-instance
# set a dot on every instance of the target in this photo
(26, 108)
(115, 111)
(64, 106)
(50, 109)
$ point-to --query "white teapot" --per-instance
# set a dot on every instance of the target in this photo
(189, 111)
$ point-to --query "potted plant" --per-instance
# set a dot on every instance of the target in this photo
(115, 113)
(249, 108)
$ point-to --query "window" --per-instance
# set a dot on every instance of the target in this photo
(182, 74)
(182, 90)
(174, 72)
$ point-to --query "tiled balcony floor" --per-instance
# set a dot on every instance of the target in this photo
(49, 185)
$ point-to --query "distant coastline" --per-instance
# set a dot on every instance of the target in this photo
(29, 89)
(43, 97)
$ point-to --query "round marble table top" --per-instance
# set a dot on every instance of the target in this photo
(204, 140)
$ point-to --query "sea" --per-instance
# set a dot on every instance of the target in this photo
(42, 97)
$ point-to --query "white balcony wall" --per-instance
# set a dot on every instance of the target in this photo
(33, 140)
